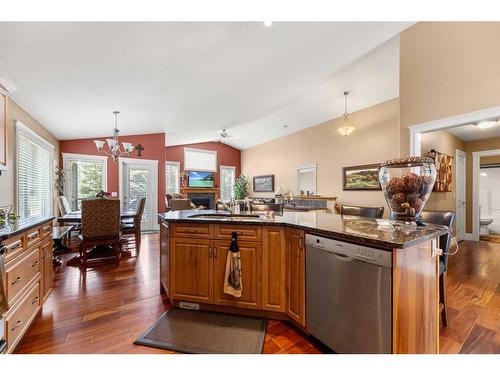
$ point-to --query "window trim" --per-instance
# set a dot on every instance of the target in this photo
(42, 142)
(178, 163)
(220, 176)
(200, 150)
(68, 156)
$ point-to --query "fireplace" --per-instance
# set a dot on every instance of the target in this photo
(206, 200)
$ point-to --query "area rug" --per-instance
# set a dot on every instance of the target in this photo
(202, 332)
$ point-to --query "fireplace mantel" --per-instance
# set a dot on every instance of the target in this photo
(188, 190)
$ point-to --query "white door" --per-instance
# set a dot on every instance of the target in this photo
(138, 178)
(460, 194)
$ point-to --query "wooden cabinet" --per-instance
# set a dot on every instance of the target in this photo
(296, 283)
(273, 266)
(20, 273)
(244, 232)
(191, 269)
(249, 255)
(47, 281)
(164, 264)
(189, 230)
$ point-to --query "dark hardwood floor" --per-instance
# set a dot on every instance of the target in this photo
(105, 311)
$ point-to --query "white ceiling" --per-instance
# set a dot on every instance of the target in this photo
(471, 132)
(190, 80)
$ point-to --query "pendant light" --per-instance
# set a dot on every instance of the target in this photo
(347, 128)
(114, 149)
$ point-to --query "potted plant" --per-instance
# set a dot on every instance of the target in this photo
(241, 186)
(60, 177)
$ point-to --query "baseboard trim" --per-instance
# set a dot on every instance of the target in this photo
(469, 237)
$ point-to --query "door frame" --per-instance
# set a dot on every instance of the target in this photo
(461, 154)
(417, 130)
(476, 167)
(154, 182)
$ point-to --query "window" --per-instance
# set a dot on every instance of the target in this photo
(85, 177)
(173, 175)
(306, 179)
(34, 171)
(227, 177)
(200, 160)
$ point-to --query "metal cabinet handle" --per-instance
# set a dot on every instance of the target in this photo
(15, 245)
(33, 235)
(35, 300)
(18, 324)
(215, 252)
(19, 278)
(191, 230)
(210, 252)
(35, 264)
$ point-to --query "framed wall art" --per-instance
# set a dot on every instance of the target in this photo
(361, 177)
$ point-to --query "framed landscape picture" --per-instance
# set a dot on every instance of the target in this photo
(361, 177)
(263, 184)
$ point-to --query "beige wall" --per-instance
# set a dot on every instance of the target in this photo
(470, 147)
(446, 143)
(375, 139)
(447, 68)
(7, 179)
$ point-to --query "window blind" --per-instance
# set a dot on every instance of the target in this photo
(34, 174)
(200, 160)
(173, 170)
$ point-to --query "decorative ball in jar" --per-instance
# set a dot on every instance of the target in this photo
(407, 185)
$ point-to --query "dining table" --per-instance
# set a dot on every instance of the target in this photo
(75, 218)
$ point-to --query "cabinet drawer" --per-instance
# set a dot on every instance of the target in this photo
(191, 230)
(14, 247)
(20, 273)
(33, 236)
(19, 319)
(245, 232)
(46, 229)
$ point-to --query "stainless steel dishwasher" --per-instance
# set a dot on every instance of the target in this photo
(348, 296)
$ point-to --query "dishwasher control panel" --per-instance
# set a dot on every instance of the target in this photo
(346, 249)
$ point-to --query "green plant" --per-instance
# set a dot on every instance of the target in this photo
(241, 187)
(60, 176)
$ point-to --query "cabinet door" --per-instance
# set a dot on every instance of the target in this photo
(164, 245)
(296, 276)
(191, 270)
(249, 253)
(273, 269)
(47, 268)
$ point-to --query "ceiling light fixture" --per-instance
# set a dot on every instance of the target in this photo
(347, 128)
(487, 124)
(268, 23)
(114, 149)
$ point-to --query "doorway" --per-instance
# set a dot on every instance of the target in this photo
(460, 173)
(139, 178)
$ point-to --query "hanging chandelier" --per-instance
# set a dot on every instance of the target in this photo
(347, 128)
(114, 149)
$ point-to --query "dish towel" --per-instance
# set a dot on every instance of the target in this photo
(4, 306)
(232, 280)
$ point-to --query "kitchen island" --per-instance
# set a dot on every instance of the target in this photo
(194, 245)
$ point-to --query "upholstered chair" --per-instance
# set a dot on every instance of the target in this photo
(447, 219)
(100, 226)
(180, 204)
(63, 204)
(132, 227)
(373, 212)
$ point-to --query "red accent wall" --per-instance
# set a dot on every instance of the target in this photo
(154, 149)
(226, 156)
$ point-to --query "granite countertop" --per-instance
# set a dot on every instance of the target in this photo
(354, 229)
(11, 229)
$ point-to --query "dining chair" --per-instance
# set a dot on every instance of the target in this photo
(373, 212)
(447, 219)
(63, 204)
(131, 228)
(100, 226)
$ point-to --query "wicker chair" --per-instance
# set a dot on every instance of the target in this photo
(100, 226)
(132, 227)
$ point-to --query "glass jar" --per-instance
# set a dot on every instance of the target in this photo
(407, 184)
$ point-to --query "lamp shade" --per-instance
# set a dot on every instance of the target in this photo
(128, 147)
(112, 143)
(99, 144)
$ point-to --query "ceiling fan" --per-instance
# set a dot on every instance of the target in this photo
(225, 137)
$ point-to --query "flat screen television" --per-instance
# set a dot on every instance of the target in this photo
(200, 179)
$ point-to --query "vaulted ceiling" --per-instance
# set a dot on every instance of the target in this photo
(192, 79)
